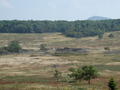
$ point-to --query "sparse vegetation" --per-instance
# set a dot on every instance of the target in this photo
(3, 50)
(76, 74)
(57, 75)
(13, 47)
(43, 47)
(34, 69)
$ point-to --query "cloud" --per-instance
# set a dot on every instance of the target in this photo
(5, 4)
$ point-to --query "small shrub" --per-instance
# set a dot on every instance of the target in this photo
(111, 36)
(106, 48)
(14, 46)
(43, 47)
(3, 50)
(112, 84)
(57, 75)
(76, 74)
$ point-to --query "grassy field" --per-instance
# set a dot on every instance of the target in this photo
(34, 70)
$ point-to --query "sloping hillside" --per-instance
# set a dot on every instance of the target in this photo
(59, 40)
(35, 70)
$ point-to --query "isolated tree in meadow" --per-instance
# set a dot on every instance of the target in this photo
(85, 73)
(89, 72)
(57, 75)
(14, 46)
(112, 84)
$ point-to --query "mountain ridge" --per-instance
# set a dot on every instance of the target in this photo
(98, 18)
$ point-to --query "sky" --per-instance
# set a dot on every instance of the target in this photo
(58, 9)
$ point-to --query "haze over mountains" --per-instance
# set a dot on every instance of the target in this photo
(98, 18)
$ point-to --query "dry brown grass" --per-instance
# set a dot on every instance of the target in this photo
(42, 65)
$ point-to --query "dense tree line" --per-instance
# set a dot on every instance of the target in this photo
(68, 28)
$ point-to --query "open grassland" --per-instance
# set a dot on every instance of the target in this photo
(34, 70)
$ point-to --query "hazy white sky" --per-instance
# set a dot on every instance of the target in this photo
(58, 9)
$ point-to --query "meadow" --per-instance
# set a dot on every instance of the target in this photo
(34, 70)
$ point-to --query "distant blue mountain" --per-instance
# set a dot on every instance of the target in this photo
(98, 18)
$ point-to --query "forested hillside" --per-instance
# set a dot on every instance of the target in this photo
(69, 28)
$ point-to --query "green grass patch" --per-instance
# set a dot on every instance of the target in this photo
(22, 79)
(108, 67)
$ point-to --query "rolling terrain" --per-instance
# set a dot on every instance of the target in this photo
(33, 70)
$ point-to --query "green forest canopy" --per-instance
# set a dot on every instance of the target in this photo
(69, 28)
